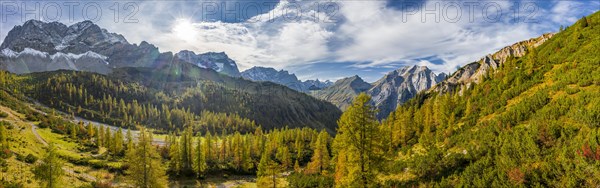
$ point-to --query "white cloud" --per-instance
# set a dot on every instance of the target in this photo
(369, 33)
(565, 12)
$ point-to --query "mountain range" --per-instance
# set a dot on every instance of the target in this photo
(38, 46)
(284, 78)
(387, 93)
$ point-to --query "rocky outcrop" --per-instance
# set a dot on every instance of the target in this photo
(473, 73)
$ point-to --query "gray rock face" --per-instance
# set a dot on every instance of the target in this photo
(219, 62)
(474, 73)
(284, 78)
(83, 37)
(54, 37)
(387, 93)
(401, 85)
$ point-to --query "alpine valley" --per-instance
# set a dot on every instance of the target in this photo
(83, 107)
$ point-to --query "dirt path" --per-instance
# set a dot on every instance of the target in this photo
(87, 177)
(34, 130)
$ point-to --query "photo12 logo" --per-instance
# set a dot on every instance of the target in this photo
(120, 11)
(470, 11)
(131, 12)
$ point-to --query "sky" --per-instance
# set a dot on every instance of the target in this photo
(326, 40)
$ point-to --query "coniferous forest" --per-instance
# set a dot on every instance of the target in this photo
(532, 122)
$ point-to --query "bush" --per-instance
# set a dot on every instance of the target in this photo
(31, 159)
(3, 114)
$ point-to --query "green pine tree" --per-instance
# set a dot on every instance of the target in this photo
(145, 169)
(49, 170)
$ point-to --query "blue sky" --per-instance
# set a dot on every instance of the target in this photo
(318, 39)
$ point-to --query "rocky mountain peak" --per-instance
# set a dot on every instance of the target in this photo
(81, 26)
(393, 89)
(218, 61)
(474, 72)
(401, 85)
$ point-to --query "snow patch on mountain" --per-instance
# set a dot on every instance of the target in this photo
(219, 62)
(9, 53)
(28, 51)
(33, 52)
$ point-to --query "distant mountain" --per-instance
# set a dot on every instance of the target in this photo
(394, 88)
(284, 78)
(401, 85)
(343, 91)
(51, 41)
(219, 62)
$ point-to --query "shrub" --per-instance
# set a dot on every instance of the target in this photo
(3, 114)
(30, 159)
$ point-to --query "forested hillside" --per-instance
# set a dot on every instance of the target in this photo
(177, 95)
(45, 148)
(535, 121)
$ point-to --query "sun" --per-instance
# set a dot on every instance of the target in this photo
(184, 29)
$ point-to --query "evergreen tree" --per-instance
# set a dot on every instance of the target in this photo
(357, 136)
(118, 141)
(49, 170)
(584, 22)
(186, 150)
(107, 138)
(129, 140)
(320, 159)
(267, 171)
(99, 136)
(200, 162)
(238, 151)
(263, 164)
(174, 156)
(73, 131)
(145, 168)
(90, 130)
(283, 155)
(208, 150)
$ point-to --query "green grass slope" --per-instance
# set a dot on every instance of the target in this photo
(533, 122)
